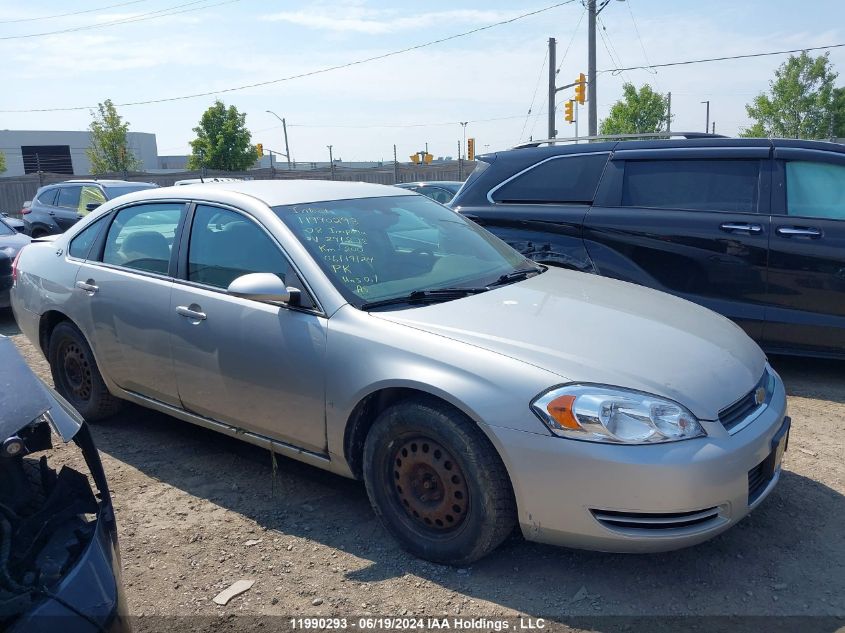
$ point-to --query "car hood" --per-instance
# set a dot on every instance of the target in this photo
(24, 398)
(591, 329)
(13, 243)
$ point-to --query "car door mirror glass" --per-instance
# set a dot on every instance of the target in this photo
(264, 287)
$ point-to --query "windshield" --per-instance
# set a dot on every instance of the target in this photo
(5, 229)
(379, 248)
(114, 192)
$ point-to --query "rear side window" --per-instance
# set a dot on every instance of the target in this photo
(815, 190)
(142, 237)
(47, 197)
(560, 179)
(706, 185)
(81, 244)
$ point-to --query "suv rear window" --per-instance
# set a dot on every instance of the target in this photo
(568, 178)
(711, 185)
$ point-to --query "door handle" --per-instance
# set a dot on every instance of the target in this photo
(799, 231)
(185, 311)
(743, 227)
(90, 288)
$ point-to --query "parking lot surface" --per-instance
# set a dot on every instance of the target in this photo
(198, 511)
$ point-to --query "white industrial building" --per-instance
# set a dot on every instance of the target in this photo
(31, 151)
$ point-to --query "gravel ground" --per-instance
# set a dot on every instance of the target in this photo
(197, 511)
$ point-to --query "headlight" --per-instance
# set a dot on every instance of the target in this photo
(610, 414)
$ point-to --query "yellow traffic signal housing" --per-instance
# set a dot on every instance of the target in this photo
(581, 89)
(428, 158)
(470, 149)
(568, 112)
(259, 149)
(415, 158)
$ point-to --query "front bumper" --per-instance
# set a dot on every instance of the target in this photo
(647, 498)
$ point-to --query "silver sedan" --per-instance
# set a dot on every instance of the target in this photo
(374, 333)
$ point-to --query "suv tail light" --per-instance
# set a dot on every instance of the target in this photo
(26, 210)
(15, 266)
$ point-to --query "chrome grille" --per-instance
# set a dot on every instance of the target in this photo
(736, 413)
(655, 522)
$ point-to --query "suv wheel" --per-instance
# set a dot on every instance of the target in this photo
(76, 375)
(436, 483)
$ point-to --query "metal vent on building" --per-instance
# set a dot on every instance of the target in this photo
(54, 159)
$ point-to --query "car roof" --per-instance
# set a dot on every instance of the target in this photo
(275, 192)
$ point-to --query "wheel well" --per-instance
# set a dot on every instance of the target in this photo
(49, 321)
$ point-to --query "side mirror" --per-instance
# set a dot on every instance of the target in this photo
(92, 205)
(264, 287)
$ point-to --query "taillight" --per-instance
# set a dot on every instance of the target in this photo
(26, 210)
(15, 266)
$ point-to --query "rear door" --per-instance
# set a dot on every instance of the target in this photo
(807, 245)
(540, 209)
(692, 222)
(124, 287)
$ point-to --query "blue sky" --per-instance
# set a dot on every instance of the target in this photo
(409, 99)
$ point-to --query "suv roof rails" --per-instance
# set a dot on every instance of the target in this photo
(616, 137)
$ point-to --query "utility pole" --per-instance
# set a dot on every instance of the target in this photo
(395, 166)
(591, 68)
(707, 125)
(331, 160)
(714, 128)
(460, 163)
(669, 112)
(464, 125)
(285, 129)
(552, 89)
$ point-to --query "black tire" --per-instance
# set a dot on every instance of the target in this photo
(76, 375)
(36, 233)
(437, 484)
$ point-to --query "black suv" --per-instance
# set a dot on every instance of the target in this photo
(751, 228)
(58, 207)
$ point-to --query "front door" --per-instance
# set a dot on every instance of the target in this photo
(66, 209)
(124, 289)
(807, 253)
(253, 365)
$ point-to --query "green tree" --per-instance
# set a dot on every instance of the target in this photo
(2, 162)
(799, 103)
(839, 113)
(109, 151)
(642, 111)
(222, 142)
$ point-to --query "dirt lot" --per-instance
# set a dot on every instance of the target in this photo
(197, 511)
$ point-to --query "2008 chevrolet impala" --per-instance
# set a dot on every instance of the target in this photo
(379, 335)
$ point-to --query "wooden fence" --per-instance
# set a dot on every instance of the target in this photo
(17, 189)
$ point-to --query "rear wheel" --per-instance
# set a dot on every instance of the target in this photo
(437, 483)
(76, 375)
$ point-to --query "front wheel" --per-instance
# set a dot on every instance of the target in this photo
(436, 482)
(76, 376)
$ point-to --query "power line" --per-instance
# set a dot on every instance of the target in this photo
(720, 59)
(64, 15)
(310, 73)
(571, 39)
(160, 13)
(639, 37)
(534, 97)
(608, 45)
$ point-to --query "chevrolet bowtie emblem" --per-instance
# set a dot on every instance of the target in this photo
(760, 395)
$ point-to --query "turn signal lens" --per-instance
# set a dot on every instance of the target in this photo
(561, 410)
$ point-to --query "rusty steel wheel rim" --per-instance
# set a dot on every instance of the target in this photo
(76, 371)
(430, 485)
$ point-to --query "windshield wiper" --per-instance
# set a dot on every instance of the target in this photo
(425, 296)
(518, 275)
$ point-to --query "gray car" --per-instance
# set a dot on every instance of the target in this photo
(378, 335)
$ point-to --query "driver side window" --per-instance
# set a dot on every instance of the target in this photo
(225, 245)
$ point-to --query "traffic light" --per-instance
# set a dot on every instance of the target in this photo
(581, 89)
(427, 158)
(259, 149)
(470, 149)
(415, 158)
(568, 113)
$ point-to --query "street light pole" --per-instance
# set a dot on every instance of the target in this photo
(331, 160)
(707, 124)
(285, 129)
(464, 125)
(592, 108)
